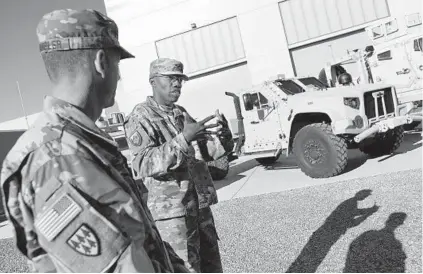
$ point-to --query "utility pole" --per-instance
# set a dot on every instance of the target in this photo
(22, 104)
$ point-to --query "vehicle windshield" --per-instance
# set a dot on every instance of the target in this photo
(289, 87)
(312, 82)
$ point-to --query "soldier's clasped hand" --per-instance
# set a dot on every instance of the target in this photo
(193, 129)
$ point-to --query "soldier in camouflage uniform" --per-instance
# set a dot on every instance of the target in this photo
(67, 189)
(170, 150)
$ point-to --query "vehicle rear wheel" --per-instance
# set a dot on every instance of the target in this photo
(219, 168)
(383, 144)
(267, 161)
(412, 126)
(319, 152)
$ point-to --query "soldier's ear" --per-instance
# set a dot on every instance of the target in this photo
(152, 82)
(100, 63)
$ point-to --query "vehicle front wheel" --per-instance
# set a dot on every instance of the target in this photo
(412, 126)
(319, 152)
(383, 144)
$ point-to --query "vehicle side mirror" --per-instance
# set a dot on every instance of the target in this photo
(248, 101)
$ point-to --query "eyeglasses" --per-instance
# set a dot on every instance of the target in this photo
(173, 78)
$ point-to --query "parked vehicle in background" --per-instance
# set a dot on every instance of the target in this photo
(8, 139)
(319, 125)
(394, 58)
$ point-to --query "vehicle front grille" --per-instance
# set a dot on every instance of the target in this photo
(383, 106)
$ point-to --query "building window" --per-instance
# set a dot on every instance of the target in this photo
(309, 19)
(413, 19)
(205, 48)
(384, 56)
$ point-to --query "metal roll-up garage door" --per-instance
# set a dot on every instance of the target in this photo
(310, 59)
(319, 31)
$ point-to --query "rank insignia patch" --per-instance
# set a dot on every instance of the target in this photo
(85, 241)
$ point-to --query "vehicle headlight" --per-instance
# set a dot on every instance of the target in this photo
(353, 102)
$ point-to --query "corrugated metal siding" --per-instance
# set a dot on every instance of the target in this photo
(308, 19)
(205, 47)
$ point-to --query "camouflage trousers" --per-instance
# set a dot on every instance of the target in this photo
(194, 239)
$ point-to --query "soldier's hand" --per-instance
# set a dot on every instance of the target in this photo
(192, 129)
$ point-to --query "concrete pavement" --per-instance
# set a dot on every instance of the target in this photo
(325, 228)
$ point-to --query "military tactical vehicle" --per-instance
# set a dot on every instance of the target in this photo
(316, 123)
(8, 139)
(394, 57)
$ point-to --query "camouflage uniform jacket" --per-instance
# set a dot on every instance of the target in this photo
(74, 206)
(174, 172)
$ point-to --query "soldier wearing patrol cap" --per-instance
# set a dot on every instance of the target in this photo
(67, 189)
(170, 152)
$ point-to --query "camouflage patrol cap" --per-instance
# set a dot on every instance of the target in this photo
(69, 29)
(166, 66)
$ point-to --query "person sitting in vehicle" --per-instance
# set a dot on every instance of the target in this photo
(345, 79)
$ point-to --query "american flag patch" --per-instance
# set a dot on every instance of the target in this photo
(51, 222)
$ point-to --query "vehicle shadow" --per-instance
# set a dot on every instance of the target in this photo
(412, 141)
(346, 215)
(378, 250)
(284, 162)
(355, 160)
(234, 173)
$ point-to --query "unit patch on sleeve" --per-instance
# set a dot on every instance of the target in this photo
(85, 241)
(136, 138)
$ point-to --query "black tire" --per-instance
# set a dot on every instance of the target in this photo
(219, 168)
(412, 126)
(383, 144)
(334, 148)
(267, 161)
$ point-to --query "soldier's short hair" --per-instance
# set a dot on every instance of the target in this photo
(67, 63)
(70, 63)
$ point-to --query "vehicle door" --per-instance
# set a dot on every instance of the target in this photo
(261, 122)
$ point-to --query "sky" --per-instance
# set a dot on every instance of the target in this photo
(19, 55)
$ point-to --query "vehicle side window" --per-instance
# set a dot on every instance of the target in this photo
(418, 44)
(264, 102)
(384, 56)
(259, 100)
(289, 87)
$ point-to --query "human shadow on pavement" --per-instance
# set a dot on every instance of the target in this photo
(346, 215)
(378, 250)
